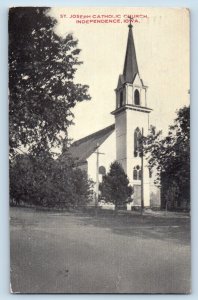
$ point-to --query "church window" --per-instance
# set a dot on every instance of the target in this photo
(121, 99)
(102, 170)
(137, 142)
(137, 173)
(137, 97)
(134, 174)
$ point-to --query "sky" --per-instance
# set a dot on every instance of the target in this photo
(162, 48)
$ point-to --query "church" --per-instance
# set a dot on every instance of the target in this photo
(121, 140)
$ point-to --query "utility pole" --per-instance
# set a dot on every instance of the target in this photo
(142, 177)
(97, 175)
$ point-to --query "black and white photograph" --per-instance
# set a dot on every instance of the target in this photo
(99, 157)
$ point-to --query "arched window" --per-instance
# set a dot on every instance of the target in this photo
(137, 173)
(102, 170)
(121, 99)
(137, 97)
(137, 142)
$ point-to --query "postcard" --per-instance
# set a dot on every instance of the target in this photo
(99, 128)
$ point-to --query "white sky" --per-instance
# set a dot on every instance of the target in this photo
(162, 49)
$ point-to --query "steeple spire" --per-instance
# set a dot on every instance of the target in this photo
(130, 64)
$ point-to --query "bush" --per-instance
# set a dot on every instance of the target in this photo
(48, 182)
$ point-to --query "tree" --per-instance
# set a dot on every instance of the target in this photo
(47, 182)
(42, 91)
(115, 185)
(22, 180)
(170, 156)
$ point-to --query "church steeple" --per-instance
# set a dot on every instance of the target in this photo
(131, 122)
(130, 64)
(130, 90)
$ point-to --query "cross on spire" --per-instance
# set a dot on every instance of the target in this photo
(130, 20)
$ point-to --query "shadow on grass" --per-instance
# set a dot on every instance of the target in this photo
(130, 224)
(142, 226)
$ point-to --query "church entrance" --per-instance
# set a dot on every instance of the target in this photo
(137, 195)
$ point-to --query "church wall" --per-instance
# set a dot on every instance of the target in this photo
(130, 89)
(120, 128)
(108, 148)
(143, 97)
(137, 81)
(155, 192)
(118, 97)
(126, 124)
(137, 119)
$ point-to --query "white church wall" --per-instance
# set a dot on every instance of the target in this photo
(136, 161)
(108, 148)
(137, 119)
(120, 128)
(137, 81)
(146, 185)
(126, 123)
(137, 84)
(129, 89)
(155, 192)
(143, 97)
(134, 119)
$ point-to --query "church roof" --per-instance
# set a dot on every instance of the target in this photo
(130, 64)
(121, 81)
(83, 148)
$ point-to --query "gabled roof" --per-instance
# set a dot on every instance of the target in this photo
(130, 64)
(83, 148)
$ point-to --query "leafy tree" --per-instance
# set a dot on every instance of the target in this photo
(48, 182)
(115, 185)
(42, 91)
(22, 183)
(170, 156)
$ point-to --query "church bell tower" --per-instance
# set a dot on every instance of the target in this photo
(131, 121)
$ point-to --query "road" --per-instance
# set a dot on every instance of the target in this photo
(53, 252)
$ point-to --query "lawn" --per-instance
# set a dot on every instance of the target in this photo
(62, 252)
